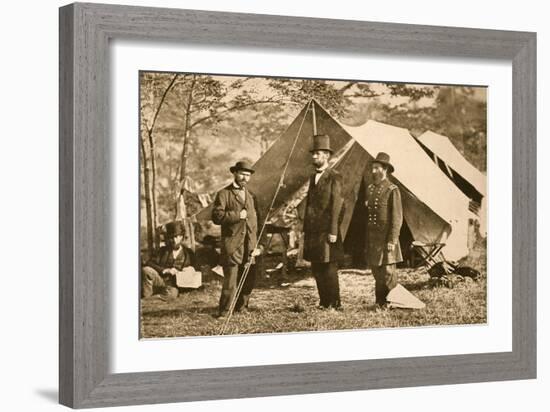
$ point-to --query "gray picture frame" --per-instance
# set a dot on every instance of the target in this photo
(85, 32)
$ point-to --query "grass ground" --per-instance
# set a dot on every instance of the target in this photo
(294, 308)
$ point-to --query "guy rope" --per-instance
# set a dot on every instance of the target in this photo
(248, 264)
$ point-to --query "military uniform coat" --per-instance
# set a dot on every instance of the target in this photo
(239, 236)
(384, 220)
(323, 216)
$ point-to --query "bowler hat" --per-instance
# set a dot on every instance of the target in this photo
(174, 229)
(241, 165)
(321, 142)
(384, 158)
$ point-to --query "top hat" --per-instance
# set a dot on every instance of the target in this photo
(174, 229)
(321, 142)
(241, 165)
(384, 159)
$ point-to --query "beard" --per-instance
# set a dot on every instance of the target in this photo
(241, 183)
(377, 177)
(173, 245)
(318, 163)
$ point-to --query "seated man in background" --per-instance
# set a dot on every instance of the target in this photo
(158, 275)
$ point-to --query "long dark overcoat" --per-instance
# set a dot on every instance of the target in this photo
(384, 220)
(323, 216)
(235, 231)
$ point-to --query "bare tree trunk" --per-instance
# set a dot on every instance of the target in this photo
(187, 132)
(148, 203)
(152, 155)
(181, 210)
(152, 151)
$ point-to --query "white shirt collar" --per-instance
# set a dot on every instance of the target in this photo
(319, 173)
(175, 252)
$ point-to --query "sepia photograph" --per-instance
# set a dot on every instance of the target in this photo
(284, 205)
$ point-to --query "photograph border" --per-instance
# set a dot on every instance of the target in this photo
(85, 31)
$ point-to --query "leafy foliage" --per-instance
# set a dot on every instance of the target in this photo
(193, 127)
(459, 113)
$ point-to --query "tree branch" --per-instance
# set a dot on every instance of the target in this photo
(346, 87)
(237, 107)
(150, 131)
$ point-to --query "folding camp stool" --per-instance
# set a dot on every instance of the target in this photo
(427, 252)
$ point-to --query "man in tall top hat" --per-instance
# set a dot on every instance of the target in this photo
(384, 220)
(236, 210)
(323, 245)
(158, 275)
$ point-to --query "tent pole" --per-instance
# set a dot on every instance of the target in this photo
(279, 186)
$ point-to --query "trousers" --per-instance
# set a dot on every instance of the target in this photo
(385, 277)
(326, 277)
(231, 277)
(152, 283)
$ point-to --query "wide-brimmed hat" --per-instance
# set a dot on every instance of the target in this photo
(321, 142)
(384, 158)
(174, 229)
(241, 165)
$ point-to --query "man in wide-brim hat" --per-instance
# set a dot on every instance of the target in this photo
(323, 245)
(158, 275)
(384, 220)
(242, 166)
(236, 210)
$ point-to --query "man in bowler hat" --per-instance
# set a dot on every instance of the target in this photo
(236, 210)
(323, 245)
(384, 220)
(158, 275)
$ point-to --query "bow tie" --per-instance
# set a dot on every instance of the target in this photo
(319, 171)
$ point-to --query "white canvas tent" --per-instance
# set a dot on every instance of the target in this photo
(471, 181)
(434, 209)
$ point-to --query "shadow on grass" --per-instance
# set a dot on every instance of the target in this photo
(161, 313)
(421, 285)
